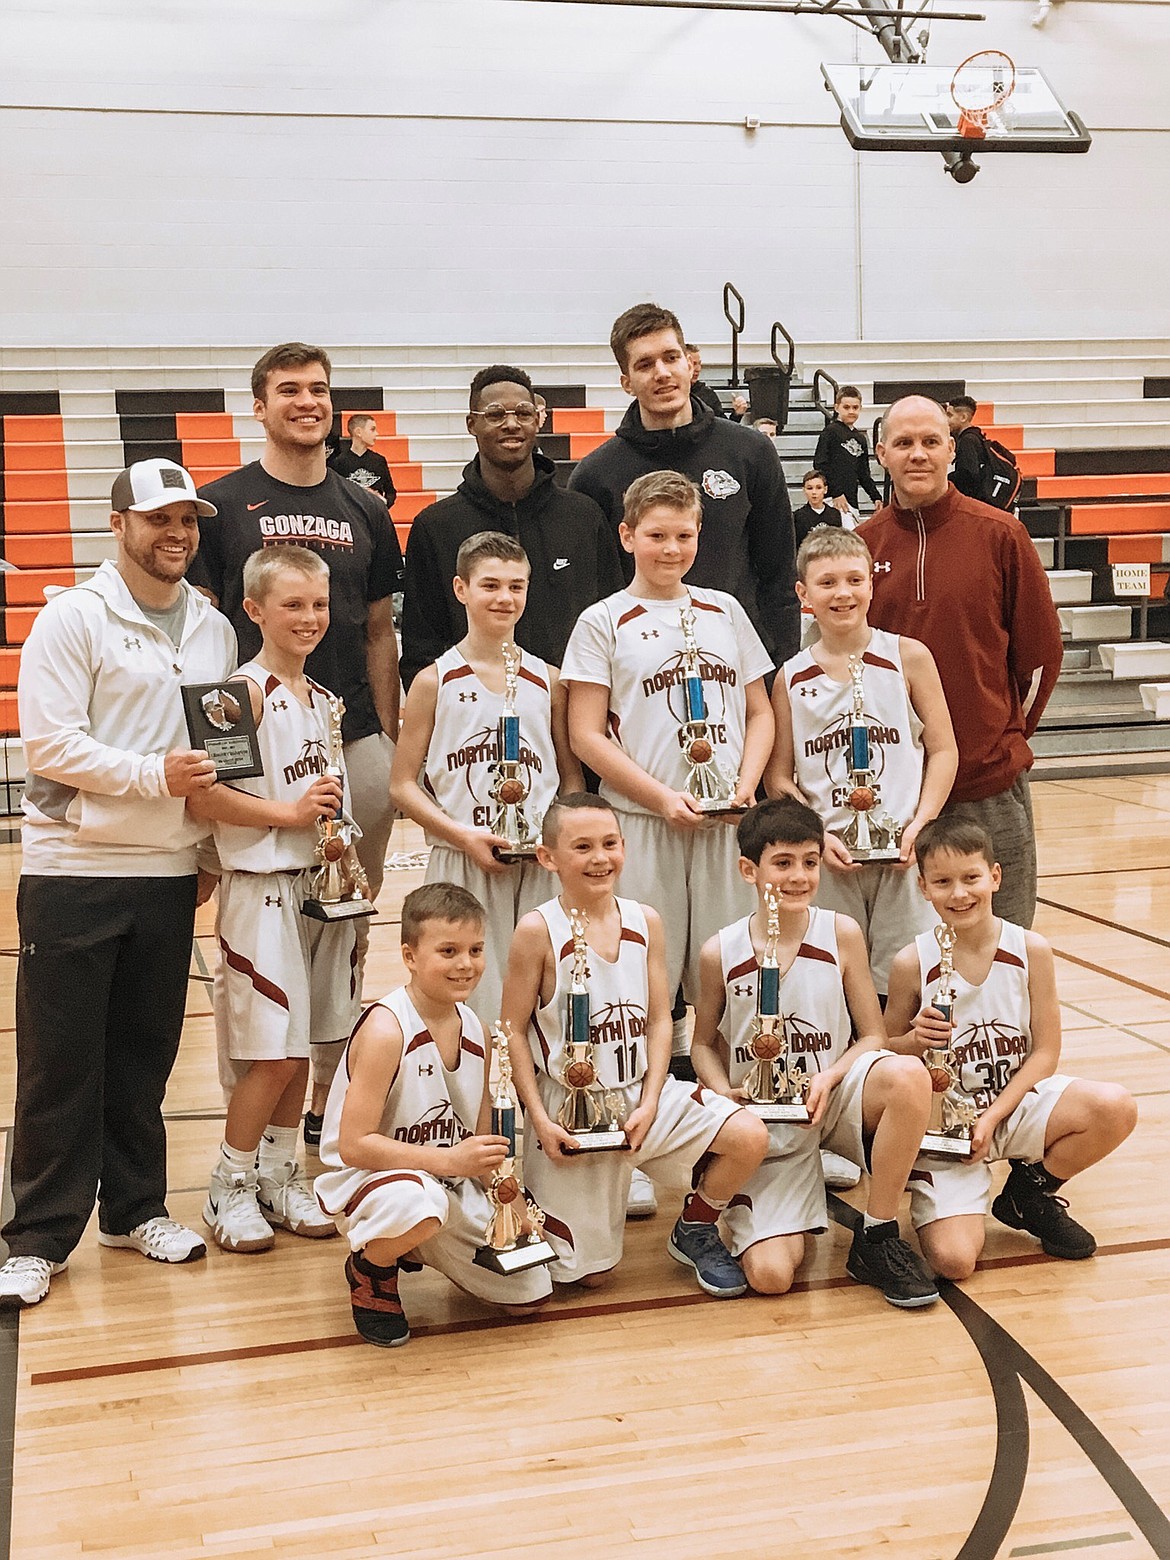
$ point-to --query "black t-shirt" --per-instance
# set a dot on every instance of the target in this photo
(369, 471)
(351, 530)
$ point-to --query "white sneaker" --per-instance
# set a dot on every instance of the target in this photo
(287, 1201)
(160, 1239)
(232, 1214)
(25, 1280)
(839, 1173)
(641, 1202)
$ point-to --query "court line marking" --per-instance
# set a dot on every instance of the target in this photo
(1092, 1542)
(494, 1323)
(1124, 1029)
(1098, 969)
(1100, 920)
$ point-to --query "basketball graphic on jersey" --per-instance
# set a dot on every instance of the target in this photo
(670, 679)
(988, 1053)
(476, 760)
(808, 1041)
(833, 745)
(618, 1031)
(439, 1124)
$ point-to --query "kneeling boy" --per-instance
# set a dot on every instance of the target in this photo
(669, 1126)
(405, 1141)
(864, 1102)
(1005, 1038)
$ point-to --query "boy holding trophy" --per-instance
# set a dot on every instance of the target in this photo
(864, 736)
(667, 704)
(286, 978)
(484, 749)
(783, 991)
(587, 1002)
(411, 1158)
(1003, 1034)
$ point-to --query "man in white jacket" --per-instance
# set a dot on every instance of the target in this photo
(106, 901)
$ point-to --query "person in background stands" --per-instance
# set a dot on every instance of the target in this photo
(290, 495)
(815, 510)
(740, 408)
(842, 453)
(966, 580)
(360, 462)
(969, 446)
(507, 487)
(698, 388)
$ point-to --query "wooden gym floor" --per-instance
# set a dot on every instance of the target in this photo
(228, 1408)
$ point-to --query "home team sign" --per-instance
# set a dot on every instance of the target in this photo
(1131, 579)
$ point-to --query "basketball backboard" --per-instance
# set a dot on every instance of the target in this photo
(909, 108)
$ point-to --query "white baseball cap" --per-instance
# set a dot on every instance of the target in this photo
(150, 484)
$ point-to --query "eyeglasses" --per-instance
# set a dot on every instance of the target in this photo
(496, 416)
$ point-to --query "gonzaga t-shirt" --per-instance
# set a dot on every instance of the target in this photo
(351, 530)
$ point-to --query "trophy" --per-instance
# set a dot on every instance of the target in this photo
(952, 1115)
(510, 787)
(506, 1248)
(591, 1114)
(872, 835)
(709, 781)
(338, 890)
(775, 1090)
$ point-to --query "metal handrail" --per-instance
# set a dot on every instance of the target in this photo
(730, 291)
(785, 368)
(826, 412)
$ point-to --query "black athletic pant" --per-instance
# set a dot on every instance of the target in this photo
(100, 991)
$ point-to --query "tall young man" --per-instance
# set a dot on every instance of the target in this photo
(747, 547)
(290, 495)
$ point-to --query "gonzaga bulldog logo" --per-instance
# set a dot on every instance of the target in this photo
(719, 484)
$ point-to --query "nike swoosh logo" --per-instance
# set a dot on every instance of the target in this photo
(260, 505)
(213, 1206)
(561, 563)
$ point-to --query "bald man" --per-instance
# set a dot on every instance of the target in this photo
(966, 580)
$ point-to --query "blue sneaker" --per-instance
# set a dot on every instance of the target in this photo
(698, 1246)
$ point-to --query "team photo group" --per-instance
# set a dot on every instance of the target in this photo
(731, 872)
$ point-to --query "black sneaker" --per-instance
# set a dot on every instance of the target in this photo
(313, 1125)
(879, 1256)
(1029, 1203)
(377, 1310)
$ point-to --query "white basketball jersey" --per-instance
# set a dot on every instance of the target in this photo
(992, 1022)
(619, 997)
(294, 748)
(641, 642)
(427, 1105)
(464, 746)
(812, 997)
(821, 713)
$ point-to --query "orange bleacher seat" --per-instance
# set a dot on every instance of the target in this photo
(577, 419)
(9, 667)
(33, 457)
(407, 477)
(1011, 435)
(1035, 463)
(48, 551)
(582, 444)
(402, 531)
(204, 425)
(33, 430)
(387, 424)
(984, 414)
(201, 475)
(1139, 549)
(9, 722)
(26, 587)
(24, 485)
(1117, 519)
(407, 505)
(202, 453)
(1122, 484)
(17, 623)
(35, 515)
(394, 451)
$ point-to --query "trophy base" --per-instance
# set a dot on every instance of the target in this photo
(950, 1147)
(519, 1258)
(884, 853)
(515, 854)
(336, 909)
(593, 1142)
(712, 807)
(780, 1110)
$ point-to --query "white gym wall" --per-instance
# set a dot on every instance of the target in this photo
(477, 170)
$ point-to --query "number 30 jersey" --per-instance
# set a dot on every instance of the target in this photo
(992, 1022)
(619, 996)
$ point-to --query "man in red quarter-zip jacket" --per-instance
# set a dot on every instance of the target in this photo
(966, 579)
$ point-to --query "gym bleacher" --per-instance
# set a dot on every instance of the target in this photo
(1088, 421)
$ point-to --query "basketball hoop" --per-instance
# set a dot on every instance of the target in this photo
(980, 87)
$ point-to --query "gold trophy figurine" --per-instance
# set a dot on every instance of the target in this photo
(774, 1088)
(709, 781)
(510, 785)
(506, 1248)
(872, 835)
(952, 1114)
(338, 890)
(585, 1105)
